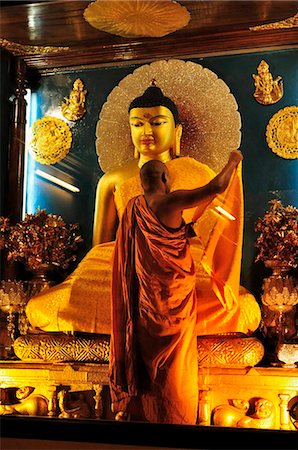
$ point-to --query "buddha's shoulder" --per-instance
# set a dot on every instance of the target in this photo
(189, 165)
(119, 175)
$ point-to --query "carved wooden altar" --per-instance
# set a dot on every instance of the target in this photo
(276, 385)
(88, 382)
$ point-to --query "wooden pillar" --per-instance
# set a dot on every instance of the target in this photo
(13, 203)
(204, 412)
(98, 400)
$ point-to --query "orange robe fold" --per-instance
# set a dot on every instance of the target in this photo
(222, 253)
(153, 353)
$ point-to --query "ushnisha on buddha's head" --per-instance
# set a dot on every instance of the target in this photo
(154, 124)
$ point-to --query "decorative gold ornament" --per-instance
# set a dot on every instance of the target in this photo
(268, 91)
(28, 404)
(282, 133)
(130, 18)
(20, 49)
(59, 348)
(73, 408)
(207, 109)
(236, 350)
(51, 140)
(73, 108)
(236, 414)
(288, 354)
(229, 350)
(291, 22)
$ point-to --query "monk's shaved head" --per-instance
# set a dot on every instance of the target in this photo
(152, 173)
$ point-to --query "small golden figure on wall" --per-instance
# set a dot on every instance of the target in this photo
(73, 108)
(267, 89)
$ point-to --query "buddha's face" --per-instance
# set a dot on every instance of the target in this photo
(152, 130)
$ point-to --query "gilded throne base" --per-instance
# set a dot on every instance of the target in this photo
(70, 375)
(88, 382)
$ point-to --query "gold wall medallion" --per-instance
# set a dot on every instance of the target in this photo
(290, 22)
(267, 89)
(20, 49)
(73, 108)
(51, 140)
(130, 18)
(282, 133)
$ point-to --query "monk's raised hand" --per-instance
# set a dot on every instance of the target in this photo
(235, 157)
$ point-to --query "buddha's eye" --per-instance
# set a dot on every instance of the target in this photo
(136, 124)
(158, 123)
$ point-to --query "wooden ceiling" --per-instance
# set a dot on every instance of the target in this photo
(215, 26)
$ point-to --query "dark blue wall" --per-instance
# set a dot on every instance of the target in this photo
(263, 171)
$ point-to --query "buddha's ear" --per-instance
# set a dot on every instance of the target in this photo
(176, 145)
(136, 153)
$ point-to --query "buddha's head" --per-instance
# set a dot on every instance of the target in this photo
(154, 124)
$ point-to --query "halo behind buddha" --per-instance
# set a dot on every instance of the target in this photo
(207, 110)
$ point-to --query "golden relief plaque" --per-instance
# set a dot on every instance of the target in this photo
(282, 133)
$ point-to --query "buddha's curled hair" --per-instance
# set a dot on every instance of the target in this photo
(153, 96)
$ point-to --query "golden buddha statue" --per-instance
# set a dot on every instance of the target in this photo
(82, 302)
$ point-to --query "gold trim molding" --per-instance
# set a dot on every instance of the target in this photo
(290, 22)
(229, 351)
(20, 49)
(61, 348)
(235, 350)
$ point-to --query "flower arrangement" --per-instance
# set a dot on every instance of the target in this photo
(40, 239)
(278, 234)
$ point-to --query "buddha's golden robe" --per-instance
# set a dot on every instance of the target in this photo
(82, 302)
(153, 351)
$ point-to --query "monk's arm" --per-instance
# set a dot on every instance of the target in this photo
(183, 199)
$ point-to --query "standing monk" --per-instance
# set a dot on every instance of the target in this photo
(153, 357)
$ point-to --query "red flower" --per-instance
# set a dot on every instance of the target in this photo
(39, 239)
